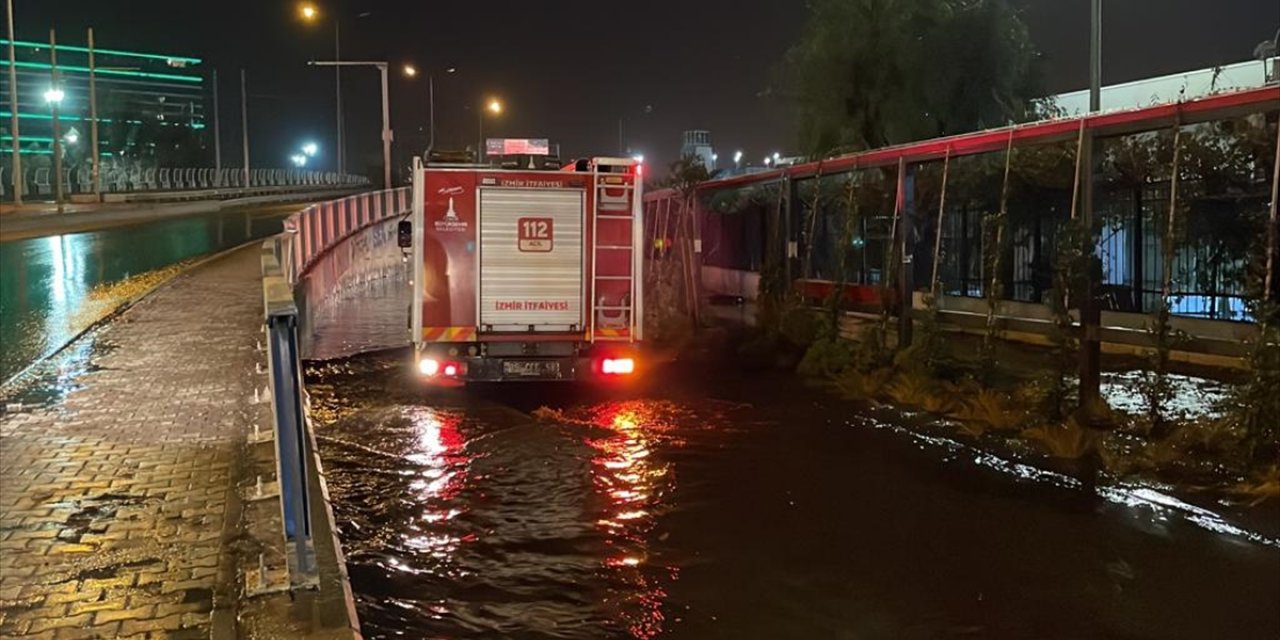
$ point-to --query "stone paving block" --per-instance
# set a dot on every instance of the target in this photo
(187, 585)
(59, 622)
(103, 617)
(152, 625)
(101, 632)
(94, 606)
(72, 597)
(165, 610)
(14, 628)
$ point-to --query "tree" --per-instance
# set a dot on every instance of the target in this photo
(686, 174)
(869, 73)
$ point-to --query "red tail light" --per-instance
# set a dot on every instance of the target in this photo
(432, 368)
(618, 366)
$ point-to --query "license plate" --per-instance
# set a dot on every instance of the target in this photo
(531, 368)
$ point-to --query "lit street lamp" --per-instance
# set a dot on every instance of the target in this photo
(386, 110)
(310, 149)
(411, 71)
(310, 13)
(494, 107)
(54, 96)
(737, 159)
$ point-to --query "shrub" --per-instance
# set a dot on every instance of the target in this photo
(864, 384)
(918, 389)
(1070, 441)
(994, 409)
(800, 326)
(827, 357)
(1263, 485)
(872, 352)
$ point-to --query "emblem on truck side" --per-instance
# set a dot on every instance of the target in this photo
(451, 222)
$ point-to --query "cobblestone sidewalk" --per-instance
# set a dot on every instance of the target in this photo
(113, 500)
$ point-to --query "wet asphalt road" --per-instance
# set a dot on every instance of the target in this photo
(717, 503)
(54, 287)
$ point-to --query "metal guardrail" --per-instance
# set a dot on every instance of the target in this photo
(309, 233)
(307, 236)
(39, 181)
(288, 417)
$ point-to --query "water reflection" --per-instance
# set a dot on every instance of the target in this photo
(800, 516)
(440, 470)
(1192, 397)
(53, 288)
(633, 483)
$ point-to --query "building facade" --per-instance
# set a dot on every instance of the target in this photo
(151, 107)
(698, 143)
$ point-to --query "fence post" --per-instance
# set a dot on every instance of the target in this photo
(906, 274)
(292, 449)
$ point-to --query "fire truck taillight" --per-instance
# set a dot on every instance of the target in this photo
(432, 368)
(618, 366)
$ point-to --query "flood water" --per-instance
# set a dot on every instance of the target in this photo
(716, 503)
(52, 288)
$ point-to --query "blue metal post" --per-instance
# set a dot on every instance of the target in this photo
(292, 451)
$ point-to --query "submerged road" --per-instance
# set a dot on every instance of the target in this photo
(717, 503)
(54, 287)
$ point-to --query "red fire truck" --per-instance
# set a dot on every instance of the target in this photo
(527, 274)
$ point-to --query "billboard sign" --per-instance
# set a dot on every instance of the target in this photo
(517, 146)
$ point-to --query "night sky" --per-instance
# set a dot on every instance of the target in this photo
(568, 70)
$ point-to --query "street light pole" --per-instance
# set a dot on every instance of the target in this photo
(1095, 56)
(18, 184)
(244, 125)
(386, 128)
(93, 121)
(57, 128)
(431, 106)
(387, 135)
(217, 133)
(337, 85)
(1089, 368)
